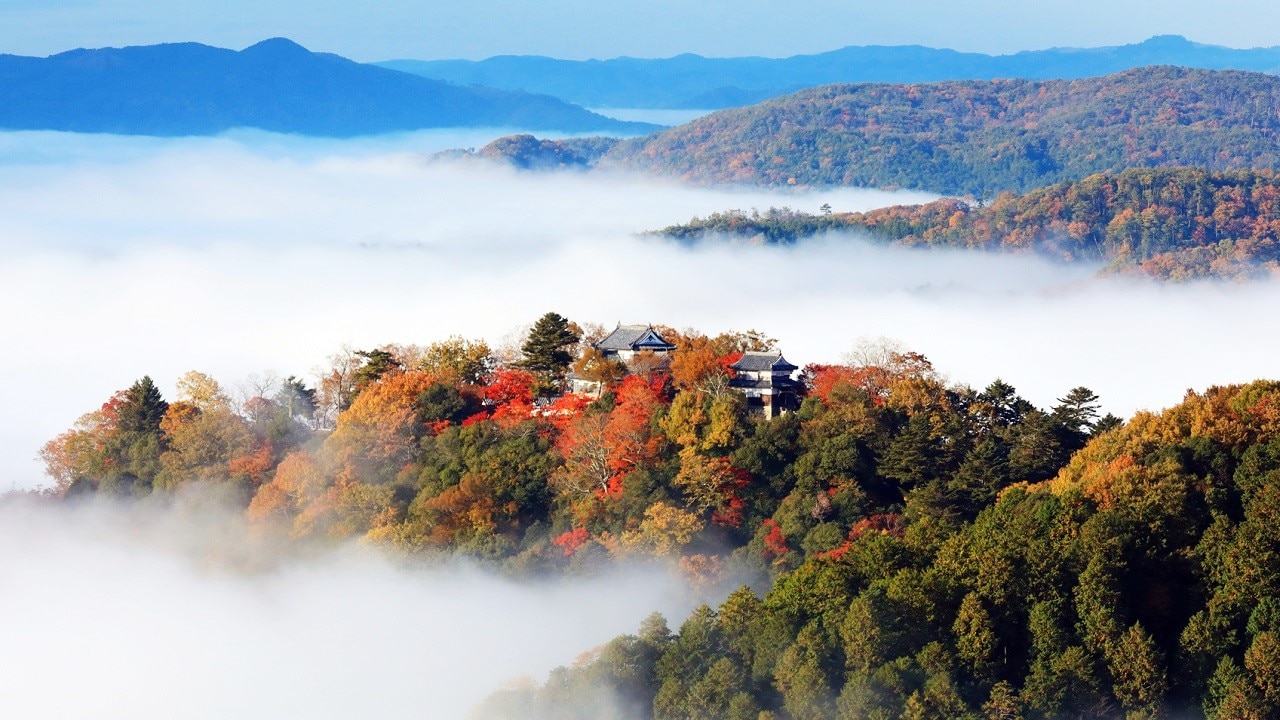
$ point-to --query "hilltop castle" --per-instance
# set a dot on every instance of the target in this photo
(767, 379)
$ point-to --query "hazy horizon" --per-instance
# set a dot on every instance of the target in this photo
(572, 29)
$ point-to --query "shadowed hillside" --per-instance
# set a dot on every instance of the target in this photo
(276, 85)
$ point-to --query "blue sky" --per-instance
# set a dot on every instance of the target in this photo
(426, 29)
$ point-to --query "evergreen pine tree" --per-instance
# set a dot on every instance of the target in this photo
(546, 352)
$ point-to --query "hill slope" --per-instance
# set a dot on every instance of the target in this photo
(1142, 582)
(277, 85)
(977, 137)
(692, 81)
(1167, 223)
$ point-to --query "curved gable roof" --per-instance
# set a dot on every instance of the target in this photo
(763, 362)
(634, 338)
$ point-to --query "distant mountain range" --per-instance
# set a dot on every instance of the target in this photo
(977, 137)
(692, 81)
(276, 85)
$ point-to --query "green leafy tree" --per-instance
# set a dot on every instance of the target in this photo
(134, 450)
(469, 361)
(547, 351)
(377, 362)
(142, 409)
(976, 642)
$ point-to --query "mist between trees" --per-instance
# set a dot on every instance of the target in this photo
(921, 547)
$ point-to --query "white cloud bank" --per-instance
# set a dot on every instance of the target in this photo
(233, 256)
(135, 614)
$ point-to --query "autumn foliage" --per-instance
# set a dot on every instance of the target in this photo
(964, 543)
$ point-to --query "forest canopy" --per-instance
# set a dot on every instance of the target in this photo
(976, 138)
(966, 138)
(922, 549)
(1167, 223)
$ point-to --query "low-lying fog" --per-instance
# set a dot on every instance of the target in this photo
(113, 613)
(252, 253)
(670, 118)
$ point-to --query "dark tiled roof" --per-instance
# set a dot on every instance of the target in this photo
(743, 383)
(763, 362)
(634, 338)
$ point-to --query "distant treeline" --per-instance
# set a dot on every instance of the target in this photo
(1173, 223)
(978, 138)
(973, 138)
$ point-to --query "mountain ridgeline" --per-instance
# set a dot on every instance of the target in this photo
(275, 85)
(977, 138)
(695, 82)
(1168, 223)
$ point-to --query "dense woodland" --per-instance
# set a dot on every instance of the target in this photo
(979, 137)
(1169, 223)
(925, 550)
(444, 449)
(1141, 581)
(975, 138)
(917, 549)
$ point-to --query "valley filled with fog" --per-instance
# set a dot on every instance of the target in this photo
(127, 612)
(252, 254)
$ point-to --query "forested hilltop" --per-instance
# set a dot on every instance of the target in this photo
(929, 550)
(1168, 223)
(445, 449)
(1140, 582)
(974, 138)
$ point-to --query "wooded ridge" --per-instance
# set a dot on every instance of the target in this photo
(1167, 223)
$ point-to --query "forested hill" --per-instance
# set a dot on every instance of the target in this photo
(1169, 223)
(277, 85)
(931, 550)
(692, 81)
(977, 138)
(1142, 582)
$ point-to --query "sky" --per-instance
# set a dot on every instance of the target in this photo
(579, 29)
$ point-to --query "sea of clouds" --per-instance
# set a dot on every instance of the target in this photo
(251, 254)
(144, 613)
